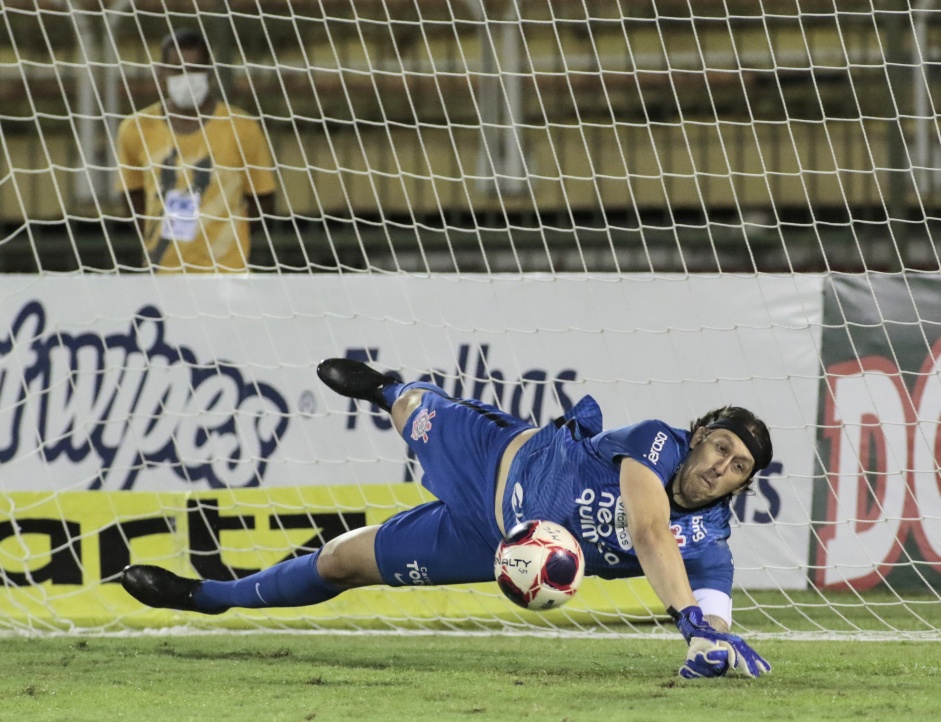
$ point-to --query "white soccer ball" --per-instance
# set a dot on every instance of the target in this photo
(539, 565)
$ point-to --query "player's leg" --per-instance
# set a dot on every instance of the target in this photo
(356, 380)
(459, 444)
(405, 405)
(428, 545)
(343, 563)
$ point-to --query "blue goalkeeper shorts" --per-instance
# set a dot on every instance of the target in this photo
(459, 444)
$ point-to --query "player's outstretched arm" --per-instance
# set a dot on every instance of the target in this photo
(712, 653)
(648, 520)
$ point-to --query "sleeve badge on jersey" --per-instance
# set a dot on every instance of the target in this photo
(422, 425)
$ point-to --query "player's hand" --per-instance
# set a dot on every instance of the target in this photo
(705, 659)
(740, 657)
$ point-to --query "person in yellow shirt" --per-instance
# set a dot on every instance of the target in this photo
(198, 173)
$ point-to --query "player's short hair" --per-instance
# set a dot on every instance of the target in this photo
(749, 428)
(185, 39)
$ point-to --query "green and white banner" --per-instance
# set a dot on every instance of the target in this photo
(877, 500)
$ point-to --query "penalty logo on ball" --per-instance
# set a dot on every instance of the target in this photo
(539, 565)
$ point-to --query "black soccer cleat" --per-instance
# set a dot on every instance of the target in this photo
(355, 380)
(157, 587)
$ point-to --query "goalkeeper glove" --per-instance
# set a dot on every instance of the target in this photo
(706, 660)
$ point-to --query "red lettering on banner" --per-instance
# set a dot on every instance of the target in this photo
(871, 497)
(926, 458)
(869, 419)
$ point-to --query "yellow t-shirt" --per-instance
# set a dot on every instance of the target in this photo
(195, 186)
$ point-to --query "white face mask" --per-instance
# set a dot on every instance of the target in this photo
(188, 90)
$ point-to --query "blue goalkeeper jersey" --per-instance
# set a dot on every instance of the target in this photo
(569, 473)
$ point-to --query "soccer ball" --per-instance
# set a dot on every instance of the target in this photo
(539, 565)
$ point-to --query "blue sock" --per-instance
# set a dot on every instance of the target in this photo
(292, 583)
(391, 392)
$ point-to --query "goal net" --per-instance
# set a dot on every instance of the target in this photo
(670, 206)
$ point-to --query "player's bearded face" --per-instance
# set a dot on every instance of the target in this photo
(718, 464)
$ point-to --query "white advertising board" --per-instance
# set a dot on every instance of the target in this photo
(178, 383)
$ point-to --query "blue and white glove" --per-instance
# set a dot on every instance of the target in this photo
(713, 653)
(705, 659)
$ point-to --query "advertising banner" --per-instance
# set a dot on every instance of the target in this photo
(61, 556)
(181, 384)
(877, 504)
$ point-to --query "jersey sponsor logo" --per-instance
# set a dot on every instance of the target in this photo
(417, 575)
(656, 447)
(678, 534)
(699, 529)
(422, 425)
(596, 521)
(621, 531)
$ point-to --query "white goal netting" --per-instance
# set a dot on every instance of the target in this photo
(667, 205)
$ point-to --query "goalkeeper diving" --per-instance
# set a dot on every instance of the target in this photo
(647, 499)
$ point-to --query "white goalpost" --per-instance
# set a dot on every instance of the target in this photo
(668, 205)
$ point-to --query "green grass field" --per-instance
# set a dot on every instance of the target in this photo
(298, 677)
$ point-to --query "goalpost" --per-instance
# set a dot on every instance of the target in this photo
(667, 205)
